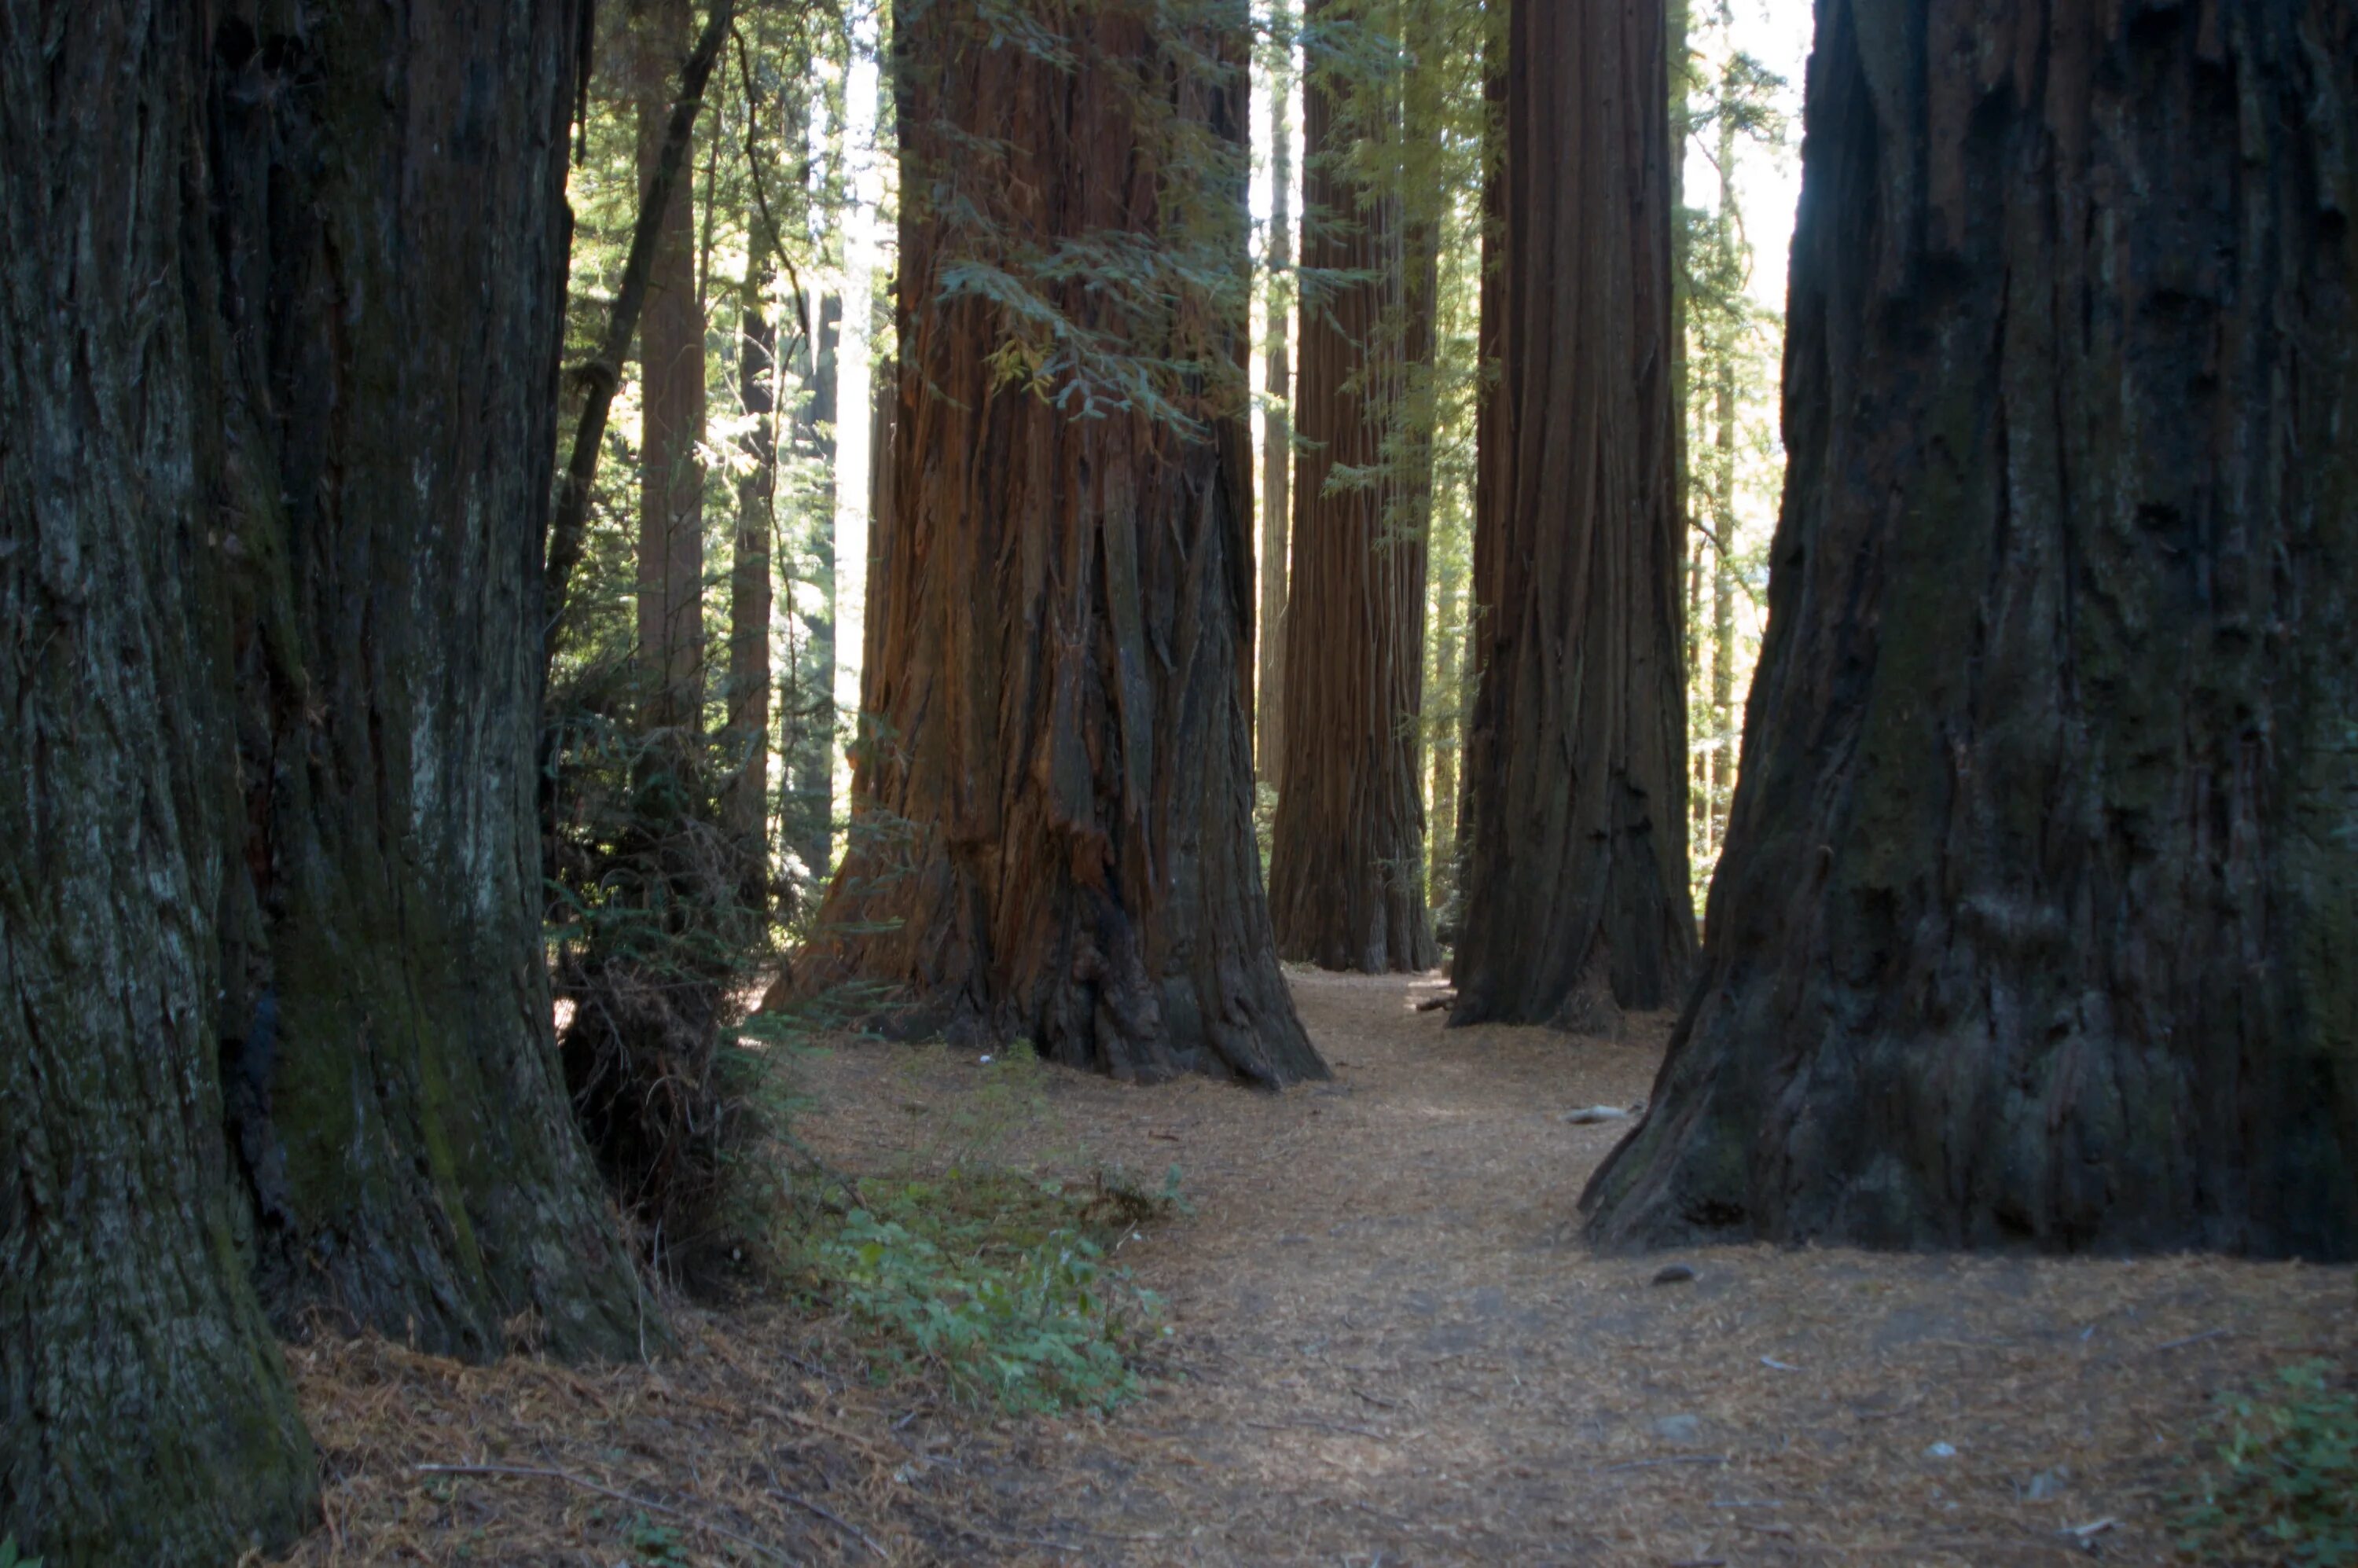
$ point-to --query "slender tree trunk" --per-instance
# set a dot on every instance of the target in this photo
(2035, 917)
(745, 802)
(1277, 444)
(1448, 649)
(1722, 517)
(1346, 851)
(1576, 897)
(269, 905)
(1698, 682)
(1723, 618)
(1063, 677)
(604, 374)
(671, 363)
(881, 522)
(815, 715)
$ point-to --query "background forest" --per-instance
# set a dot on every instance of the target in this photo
(789, 212)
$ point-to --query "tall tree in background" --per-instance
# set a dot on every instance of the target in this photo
(670, 399)
(1277, 435)
(278, 327)
(746, 743)
(2033, 924)
(810, 736)
(1347, 850)
(1061, 702)
(1576, 897)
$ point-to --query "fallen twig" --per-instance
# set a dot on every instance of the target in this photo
(529, 1472)
(829, 1515)
(2191, 1339)
(1649, 1464)
(1326, 1425)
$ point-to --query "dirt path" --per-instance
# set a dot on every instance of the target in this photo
(1396, 1350)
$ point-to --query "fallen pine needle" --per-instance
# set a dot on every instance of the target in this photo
(569, 1478)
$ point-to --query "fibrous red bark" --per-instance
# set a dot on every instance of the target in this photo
(1575, 872)
(1054, 812)
(1347, 848)
(2035, 916)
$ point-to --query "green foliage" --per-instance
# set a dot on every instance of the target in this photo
(654, 1545)
(1134, 319)
(8, 1558)
(997, 1286)
(2284, 1487)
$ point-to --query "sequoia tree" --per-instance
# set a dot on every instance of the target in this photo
(2035, 920)
(1575, 872)
(278, 338)
(1056, 840)
(1347, 849)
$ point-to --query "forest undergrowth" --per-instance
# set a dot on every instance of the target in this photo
(1026, 1315)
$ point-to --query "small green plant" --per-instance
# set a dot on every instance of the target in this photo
(8, 1558)
(2283, 1484)
(993, 1283)
(654, 1545)
(1123, 1200)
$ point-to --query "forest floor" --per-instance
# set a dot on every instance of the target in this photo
(1389, 1346)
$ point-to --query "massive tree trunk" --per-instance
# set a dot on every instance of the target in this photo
(2035, 920)
(1277, 435)
(145, 1413)
(1346, 850)
(671, 400)
(277, 355)
(1063, 679)
(1577, 898)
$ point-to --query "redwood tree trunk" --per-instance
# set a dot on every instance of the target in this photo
(1577, 898)
(2035, 919)
(277, 354)
(145, 1412)
(1346, 850)
(670, 399)
(1062, 682)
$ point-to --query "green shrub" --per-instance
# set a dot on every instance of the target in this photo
(2283, 1484)
(8, 1558)
(993, 1283)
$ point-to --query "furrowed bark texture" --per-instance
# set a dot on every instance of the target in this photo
(145, 1413)
(387, 204)
(2035, 920)
(283, 306)
(1347, 849)
(1577, 899)
(1062, 686)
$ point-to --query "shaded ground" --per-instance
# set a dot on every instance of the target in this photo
(1390, 1347)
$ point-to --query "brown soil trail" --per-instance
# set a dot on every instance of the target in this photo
(1392, 1348)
